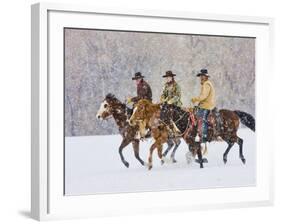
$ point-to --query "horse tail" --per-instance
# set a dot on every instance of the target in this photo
(247, 119)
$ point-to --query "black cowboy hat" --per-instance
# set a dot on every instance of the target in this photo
(138, 75)
(203, 72)
(169, 74)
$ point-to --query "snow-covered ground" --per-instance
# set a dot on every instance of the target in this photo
(93, 165)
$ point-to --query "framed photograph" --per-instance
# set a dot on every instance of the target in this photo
(148, 111)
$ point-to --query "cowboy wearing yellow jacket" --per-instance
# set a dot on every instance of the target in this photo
(206, 101)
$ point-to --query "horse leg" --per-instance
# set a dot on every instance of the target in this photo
(150, 155)
(142, 129)
(230, 144)
(124, 143)
(189, 154)
(170, 145)
(199, 155)
(159, 151)
(136, 144)
(240, 143)
(178, 142)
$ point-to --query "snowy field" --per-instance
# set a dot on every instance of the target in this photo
(93, 165)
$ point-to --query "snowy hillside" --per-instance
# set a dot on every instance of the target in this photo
(93, 166)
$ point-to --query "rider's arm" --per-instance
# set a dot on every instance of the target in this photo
(135, 99)
(176, 96)
(205, 91)
(163, 97)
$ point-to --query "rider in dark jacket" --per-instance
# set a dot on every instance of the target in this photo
(143, 89)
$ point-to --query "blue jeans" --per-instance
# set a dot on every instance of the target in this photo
(202, 114)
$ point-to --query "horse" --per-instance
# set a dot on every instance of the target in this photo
(149, 115)
(186, 124)
(229, 123)
(112, 107)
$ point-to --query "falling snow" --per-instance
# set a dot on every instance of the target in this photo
(99, 62)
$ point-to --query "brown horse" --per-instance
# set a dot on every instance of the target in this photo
(112, 107)
(172, 115)
(229, 125)
(149, 115)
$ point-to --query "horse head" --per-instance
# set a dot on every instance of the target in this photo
(108, 106)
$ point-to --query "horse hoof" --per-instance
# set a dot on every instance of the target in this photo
(205, 160)
(149, 167)
(165, 160)
(126, 164)
(199, 161)
(188, 161)
(201, 166)
(188, 157)
(243, 160)
(162, 162)
(173, 160)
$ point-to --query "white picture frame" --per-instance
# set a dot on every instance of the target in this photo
(47, 199)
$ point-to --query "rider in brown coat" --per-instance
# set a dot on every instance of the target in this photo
(143, 89)
(143, 92)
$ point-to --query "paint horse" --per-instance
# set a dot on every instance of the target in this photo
(149, 114)
(112, 107)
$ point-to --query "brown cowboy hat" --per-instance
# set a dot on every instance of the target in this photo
(203, 72)
(138, 75)
(169, 74)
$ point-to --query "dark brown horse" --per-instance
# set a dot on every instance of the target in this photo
(112, 107)
(183, 121)
(229, 124)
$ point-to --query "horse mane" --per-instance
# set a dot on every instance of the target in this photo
(179, 109)
(175, 108)
(150, 107)
(112, 98)
(148, 102)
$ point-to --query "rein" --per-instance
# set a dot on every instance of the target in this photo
(180, 117)
(190, 119)
(188, 129)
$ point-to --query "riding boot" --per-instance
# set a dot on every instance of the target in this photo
(198, 137)
(204, 138)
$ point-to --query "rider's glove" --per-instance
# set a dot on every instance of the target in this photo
(194, 100)
(129, 100)
(170, 102)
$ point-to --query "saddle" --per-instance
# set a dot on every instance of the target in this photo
(214, 123)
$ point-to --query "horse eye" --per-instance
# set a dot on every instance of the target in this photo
(105, 105)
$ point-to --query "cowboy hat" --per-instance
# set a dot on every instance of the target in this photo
(203, 72)
(169, 74)
(138, 75)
